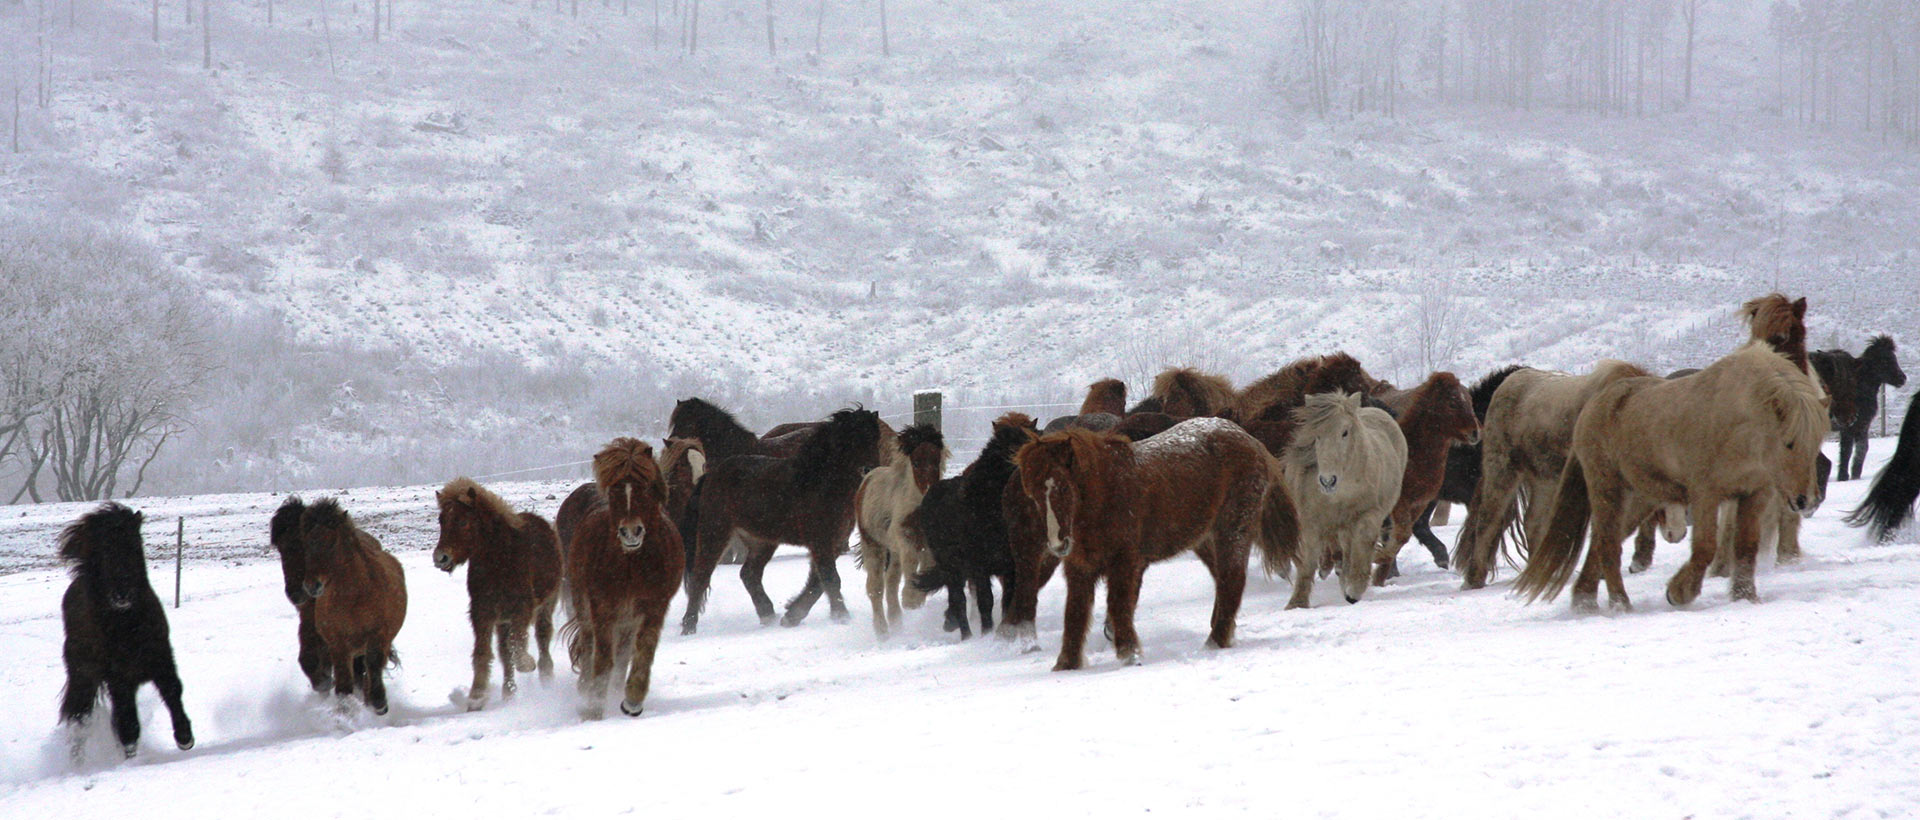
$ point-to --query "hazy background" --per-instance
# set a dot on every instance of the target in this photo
(495, 234)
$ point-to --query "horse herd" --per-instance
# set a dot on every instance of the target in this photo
(1321, 467)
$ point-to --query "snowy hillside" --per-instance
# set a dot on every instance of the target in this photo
(1421, 701)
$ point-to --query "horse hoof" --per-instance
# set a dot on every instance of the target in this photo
(1066, 665)
(687, 628)
(791, 621)
(1352, 600)
(1638, 567)
(380, 709)
(841, 617)
(1131, 660)
(592, 713)
(129, 750)
(184, 744)
(768, 619)
(631, 710)
(1620, 604)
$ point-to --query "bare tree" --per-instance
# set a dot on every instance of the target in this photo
(1690, 17)
(1434, 319)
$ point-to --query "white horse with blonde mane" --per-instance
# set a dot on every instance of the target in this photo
(1343, 470)
(885, 499)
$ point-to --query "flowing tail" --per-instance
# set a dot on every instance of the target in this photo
(689, 526)
(1279, 526)
(1889, 504)
(1551, 563)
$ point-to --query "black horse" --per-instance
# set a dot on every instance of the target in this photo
(1877, 365)
(116, 628)
(284, 534)
(1889, 503)
(961, 523)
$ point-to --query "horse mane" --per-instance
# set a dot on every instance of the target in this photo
(846, 431)
(1779, 322)
(1483, 390)
(1418, 403)
(702, 413)
(1341, 371)
(910, 439)
(1105, 396)
(1796, 401)
(1010, 432)
(1882, 344)
(1306, 376)
(327, 512)
(79, 540)
(628, 458)
(1014, 419)
(1086, 449)
(468, 492)
(286, 522)
(1316, 412)
(1186, 391)
(676, 449)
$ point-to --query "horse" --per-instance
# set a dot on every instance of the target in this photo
(1878, 365)
(283, 533)
(625, 562)
(682, 461)
(1437, 414)
(513, 581)
(1343, 470)
(1743, 430)
(1105, 396)
(116, 630)
(1186, 392)
(1888, 505)
(1524, 441)
(1098, 422)
(805, 500)
(1277, 394)
(1463, 463)
(359, 597)
(1110, 507)
(963, 527)
(885, 498)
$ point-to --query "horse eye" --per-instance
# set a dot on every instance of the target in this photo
(1343, 433)
(1789, 445)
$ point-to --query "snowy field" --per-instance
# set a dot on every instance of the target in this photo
(1420, 701)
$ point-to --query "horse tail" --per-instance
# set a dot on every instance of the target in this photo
(1551, 563)
(393, 658)
(573, 634)
(1279, 540)
(689, 526)
(1512, 543)
(1889, 504)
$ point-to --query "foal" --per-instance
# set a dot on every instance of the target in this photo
(116, 629)
(512, 582)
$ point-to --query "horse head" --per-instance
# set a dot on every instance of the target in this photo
(284, 535)
(1880, 362)
(108, 555)
(630, 481)
(467, 512)
(926, 453)
(1327, 436)
(325, 530)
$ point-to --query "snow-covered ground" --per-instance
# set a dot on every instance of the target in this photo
(1421, 701)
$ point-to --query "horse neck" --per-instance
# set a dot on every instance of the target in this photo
(723, 436)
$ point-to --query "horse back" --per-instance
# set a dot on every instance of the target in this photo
(541, 546)
(1183, 486)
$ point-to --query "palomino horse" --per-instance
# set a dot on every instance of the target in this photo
(513, 580)
(1859, 382)
(1343, 470)
(1889, 504)
(116, 630)
(1185, 392)
(1524, 443)
(1110, 507)
(284, 534)
(1433, 417)
(625, 562)
(805, 500)
(1276, 395)
(359, 597)
(1744, 430)
(962, 524)
(885, 498)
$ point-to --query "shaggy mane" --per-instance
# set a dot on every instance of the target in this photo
(483, 500)
(628, 459)
(327, 512)
(910, 439)
(1186, 391)
(286, 522)
(80, 539)
(1105, 396)
(1483, 390)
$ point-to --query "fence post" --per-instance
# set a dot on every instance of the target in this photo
(926, 408)
(179, 549)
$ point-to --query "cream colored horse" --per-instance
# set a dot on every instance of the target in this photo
(1343, 470)
(885, 499)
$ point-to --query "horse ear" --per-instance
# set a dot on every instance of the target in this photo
(1800, 308)
(440, 496)
(473, 494)
(139, 517)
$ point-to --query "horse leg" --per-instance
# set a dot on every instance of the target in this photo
(956, 616)
(1632, 509)
(1749, 517)
(878, 564)
(830, 578)
(1788, 550)
(543, 634)
(313, 651)
(751, 571)
(1487, 520)
(822, 576)
(983, 600)
(1073, 638)
(126, 713)
(1423, 530)
(911, 566)
(343, 669)
(898, 584)
(1123, 594)
(1229, 585)
(646, 640)
(1643, 544)
(1684, 586)
(483, 630)
(1603, 540)
(505, 632)
(594, 683)
(1307, 565)
(700, 574)
(168, 682)
(377, 679)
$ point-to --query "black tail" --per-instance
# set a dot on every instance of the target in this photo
(689, 525)
(940, 577)
(1889, 504)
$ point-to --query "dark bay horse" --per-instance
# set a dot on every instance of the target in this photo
(116, 630)
(1435, 416)
(359, 599)
(284, 534)
(624, 564)
(513, 580)
(1859, 379)
(961, 522)
(805, 500)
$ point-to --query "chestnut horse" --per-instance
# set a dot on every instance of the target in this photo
(805, 500)
(682, 461)
(1105, 396)
(359, 597)
(1436, 415)
(1276, 395)
(885, 498)
(1110, 507)
(1343, 469)
(1186, 392)
(625, 562)
(513, 582)
(1745, 431)
(962, 524)
(283, 532)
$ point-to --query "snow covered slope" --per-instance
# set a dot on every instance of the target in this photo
(1422, 701)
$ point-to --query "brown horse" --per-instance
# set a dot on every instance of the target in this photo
(1781, 324)
(1435, 415)
(1745, 431)
(682, 462)
(1105, 396)
(805, 500)
(359, 597)
(513, 582)
(1109, 507)
(625, 562)
(283, 532)
(1275, 396)
(1525, 439)
(1186, 392)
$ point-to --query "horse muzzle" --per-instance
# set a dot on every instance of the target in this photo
(1061, 548)
(119, 602)
(442, 561)
(1328, 483)
(314, 588)
(632, 537)
(1473, 439)
(1803, 505)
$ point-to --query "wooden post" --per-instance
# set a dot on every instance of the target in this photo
(926, 408)
(179, 551)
